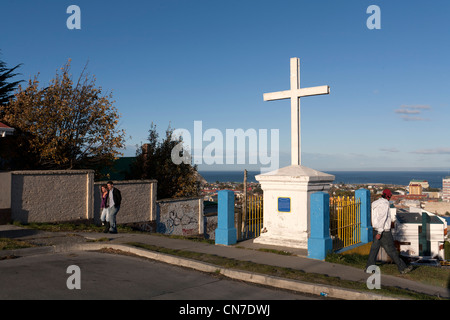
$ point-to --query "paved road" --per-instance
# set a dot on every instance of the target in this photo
(110, 276)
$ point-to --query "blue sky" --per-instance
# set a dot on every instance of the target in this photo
(177, 62)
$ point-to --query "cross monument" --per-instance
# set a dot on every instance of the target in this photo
(295, 94)
(288, 190)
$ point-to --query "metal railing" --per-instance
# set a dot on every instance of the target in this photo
(253, 218)
(345, 221)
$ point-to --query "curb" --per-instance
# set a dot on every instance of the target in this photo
(255, 278)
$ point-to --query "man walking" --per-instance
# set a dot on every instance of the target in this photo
(115, 199)
(382, 235)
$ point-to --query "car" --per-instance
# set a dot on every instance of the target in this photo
(426, 262)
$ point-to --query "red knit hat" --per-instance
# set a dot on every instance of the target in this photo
(387, 193)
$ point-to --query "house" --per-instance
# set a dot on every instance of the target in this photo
(419, 233)
(5, 130)
(423, 183)
(415, 189)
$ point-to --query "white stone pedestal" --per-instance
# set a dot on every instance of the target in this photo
(287, 194)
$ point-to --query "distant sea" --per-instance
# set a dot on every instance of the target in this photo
(403, 178)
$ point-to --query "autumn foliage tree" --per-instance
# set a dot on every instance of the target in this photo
(154, 161)
(66, 125)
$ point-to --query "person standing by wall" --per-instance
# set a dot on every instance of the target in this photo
(115, 200)
(104, 207)
(382, 235)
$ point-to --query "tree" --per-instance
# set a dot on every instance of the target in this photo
(154, 161)
(67, 125)
(7, 88)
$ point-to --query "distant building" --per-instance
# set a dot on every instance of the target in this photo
(413, 197)
(433, 195)
(446, 189)
(415, 189)
(423, 183)
(5, 130)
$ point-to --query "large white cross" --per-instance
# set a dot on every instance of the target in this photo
(295, 94)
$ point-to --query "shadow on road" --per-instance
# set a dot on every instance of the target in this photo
(18, 233)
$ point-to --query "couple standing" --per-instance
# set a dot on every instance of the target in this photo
(111, 200)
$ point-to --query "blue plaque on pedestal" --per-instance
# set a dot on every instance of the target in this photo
(284, 204)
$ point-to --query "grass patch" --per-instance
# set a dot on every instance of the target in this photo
(12, 244)
(354, 260)
(281, 272)
(434, 276)
(78, 226)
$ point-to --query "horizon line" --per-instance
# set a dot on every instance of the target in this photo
(343, 170)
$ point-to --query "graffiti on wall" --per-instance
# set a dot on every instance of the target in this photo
(178, 218)
(177, 221)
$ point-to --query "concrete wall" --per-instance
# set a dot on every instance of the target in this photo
(60, 196)
(138, 201)
(5, 190)
(51, 196)
(210, 226)
(180, 216)
(5, 197)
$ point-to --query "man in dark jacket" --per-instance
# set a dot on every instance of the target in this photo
(115, 199)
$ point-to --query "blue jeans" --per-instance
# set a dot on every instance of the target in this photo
(387, 242)
(105, 215)
(112, 218)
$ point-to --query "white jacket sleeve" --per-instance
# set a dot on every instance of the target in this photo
(381, 218)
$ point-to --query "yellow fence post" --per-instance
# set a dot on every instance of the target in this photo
(345, 221)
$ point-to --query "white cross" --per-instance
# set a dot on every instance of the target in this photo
(295, 94)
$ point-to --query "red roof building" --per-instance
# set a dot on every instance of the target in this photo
(5, 130)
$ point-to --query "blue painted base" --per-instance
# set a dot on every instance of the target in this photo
(366, 235)
(319, 248)
(226, 236)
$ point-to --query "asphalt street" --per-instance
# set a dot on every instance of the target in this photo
(111, 276)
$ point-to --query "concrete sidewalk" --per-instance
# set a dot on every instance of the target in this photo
(245, 251)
